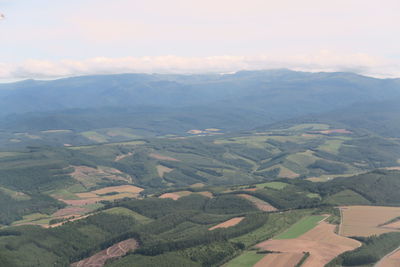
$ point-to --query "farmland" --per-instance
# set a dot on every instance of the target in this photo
(321, 242)
(365, 220)
(301, 227)
(194, 201)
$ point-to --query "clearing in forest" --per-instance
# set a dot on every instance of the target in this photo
(115, 251)
(367, 220)
(161, 170)
(228, 223)
(321, 242)
(261, 204)
(90, 177)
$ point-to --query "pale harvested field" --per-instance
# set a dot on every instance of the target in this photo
(197, 185)
(280, 260)
(394, 225)
(69, 211)
(261, 205)
(115, 251)
(341, 131)
(176, 195)
(392, 260)
(321, 242)
(286, 173)
(161, 170)
(161, 157)
(396, 168)
(88, 175)
(170, 195)
(120, 189)
(365, 220)
(228, 223)
(120, 157)
(95, 196)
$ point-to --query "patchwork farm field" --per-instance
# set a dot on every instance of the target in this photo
(367, 220)
(300, 227)
(321, 242)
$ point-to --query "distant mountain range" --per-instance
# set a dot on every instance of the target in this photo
(174, 104)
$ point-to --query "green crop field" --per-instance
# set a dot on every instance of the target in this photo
(301, 227)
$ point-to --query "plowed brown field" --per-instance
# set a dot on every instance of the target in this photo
(392, 260)
(321, 242)
(228, 223)
(365, 220)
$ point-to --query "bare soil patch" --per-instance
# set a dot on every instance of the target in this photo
(115, 251)
(340, 131)
(392, 260)
(228, 223)
(161, 170)
(261, 205)
(321, 242)
(280, 260)
(161, 157)
(365, 220)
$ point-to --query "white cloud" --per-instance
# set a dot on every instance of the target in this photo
(320, 61)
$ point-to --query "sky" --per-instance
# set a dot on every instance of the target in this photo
(46, 39)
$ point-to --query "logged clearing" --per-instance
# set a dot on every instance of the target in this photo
(161, 157)
(161, 170)
(286, 173)
(228, 223)
(90, 176)
(365, 220)
(115, 251)
(321, 242)
(392, 260)
(280, 260)
(261, 205)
